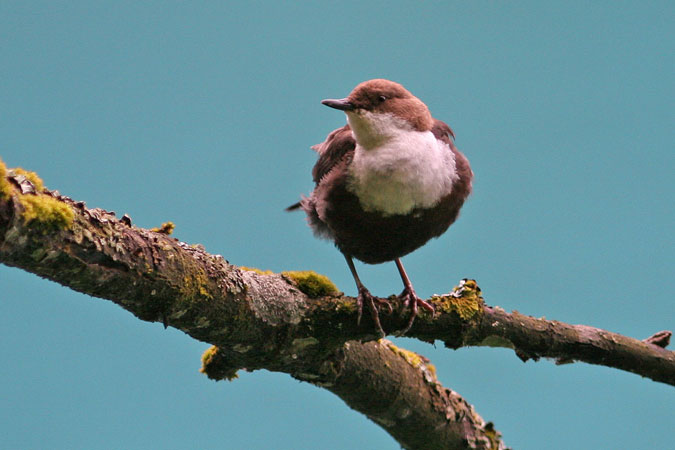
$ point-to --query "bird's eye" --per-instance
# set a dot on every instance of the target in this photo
(382, 98)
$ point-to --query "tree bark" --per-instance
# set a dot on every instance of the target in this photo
(269, 321)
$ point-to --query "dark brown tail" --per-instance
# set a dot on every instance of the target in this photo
(293, 207)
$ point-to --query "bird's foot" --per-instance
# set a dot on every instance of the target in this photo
(411, 300)
(373, 303)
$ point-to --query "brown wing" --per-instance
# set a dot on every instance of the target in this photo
(337, 145)
(331, 151)
(443, 131)
(462, 187)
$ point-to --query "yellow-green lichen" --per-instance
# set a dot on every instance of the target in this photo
(166, 228)
(312, 283)
(465, 300)
(33, 177)
(212, 369)
(347, 305)
(5, 187)
(195, 285)
(493, 435)
(431, 369)
(255, 270)
(414, 359)
(301, 344)
(46, 212)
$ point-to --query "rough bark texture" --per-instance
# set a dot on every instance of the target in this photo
(268, 321)
(253, 320)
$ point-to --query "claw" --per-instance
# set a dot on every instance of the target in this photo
(369, 299)
(373, 304)
(411, 300)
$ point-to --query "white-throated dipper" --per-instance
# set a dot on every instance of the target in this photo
(386, 183)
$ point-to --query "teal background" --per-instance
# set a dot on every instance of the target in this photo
(202, 113)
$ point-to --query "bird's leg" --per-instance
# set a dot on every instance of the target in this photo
(410, 298)
(366, 297)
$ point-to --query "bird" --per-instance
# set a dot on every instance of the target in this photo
(386, 183)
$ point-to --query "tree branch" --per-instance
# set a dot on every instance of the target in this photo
(254, 320)
(533, 338)
(269, 321)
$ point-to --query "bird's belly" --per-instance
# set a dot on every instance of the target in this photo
(413, 171)
(374, 238)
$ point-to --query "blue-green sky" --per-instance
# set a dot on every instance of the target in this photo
(202, 113)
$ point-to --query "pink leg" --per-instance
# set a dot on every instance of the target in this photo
(410, 298)
(366, 297)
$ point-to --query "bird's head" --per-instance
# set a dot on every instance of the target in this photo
(379, 109)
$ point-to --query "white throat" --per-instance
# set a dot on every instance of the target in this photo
(396, 168)
(374, 129)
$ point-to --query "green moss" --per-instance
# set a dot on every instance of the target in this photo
(39, 211)
(166, 228)
(465, 300)
(46, 212)
(5, 187)
(207, 358)
(258, 271)
(212, 369)
(33, 177)
(312, 283)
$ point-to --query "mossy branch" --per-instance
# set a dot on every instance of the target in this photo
(295, 323)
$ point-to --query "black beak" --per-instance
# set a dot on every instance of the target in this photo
(342, 104)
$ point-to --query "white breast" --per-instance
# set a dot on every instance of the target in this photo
(411, 169)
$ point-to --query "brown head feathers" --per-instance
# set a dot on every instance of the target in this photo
(384, 96)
